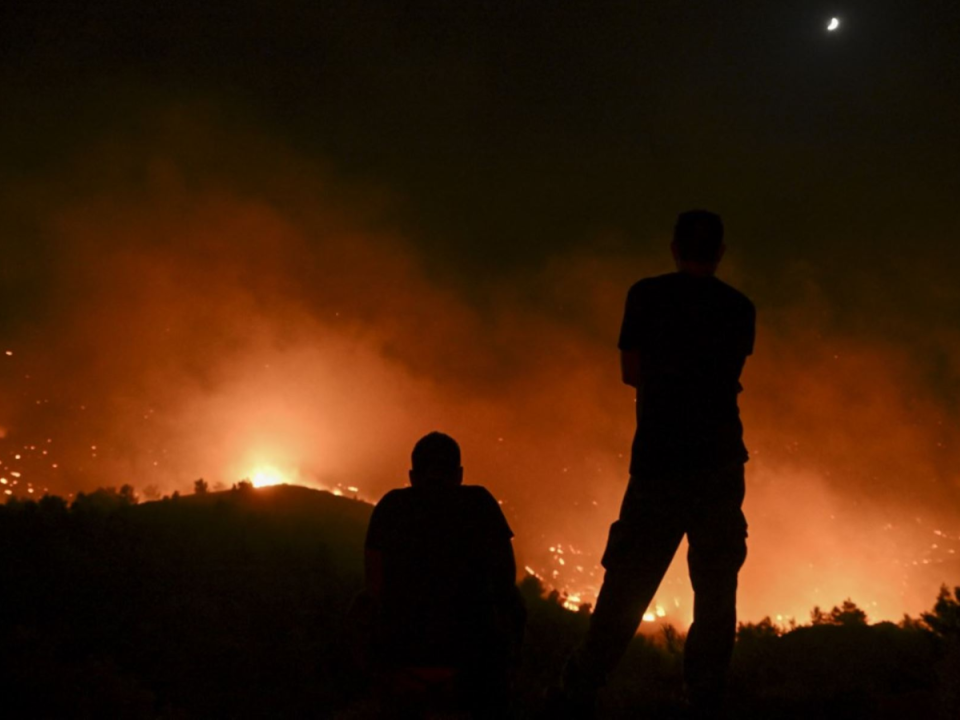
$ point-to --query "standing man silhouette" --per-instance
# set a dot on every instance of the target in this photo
(683, 343)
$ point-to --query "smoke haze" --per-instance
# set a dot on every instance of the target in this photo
(195, 300)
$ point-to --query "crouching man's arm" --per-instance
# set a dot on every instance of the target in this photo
(363, 619)
(373, 572)
(513, 610)
(510, 611)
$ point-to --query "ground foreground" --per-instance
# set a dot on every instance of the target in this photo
(236, 605)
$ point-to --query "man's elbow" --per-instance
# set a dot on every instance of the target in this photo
(373, 572)
(630, 368)
(630, 376)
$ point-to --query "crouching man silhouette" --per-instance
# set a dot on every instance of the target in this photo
(683, 343)
(440, 565)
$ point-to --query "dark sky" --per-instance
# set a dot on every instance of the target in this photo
(513, 129)
(507, 132)
(436, 208)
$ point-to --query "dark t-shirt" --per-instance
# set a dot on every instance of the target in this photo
(693, 335)
(447, 564)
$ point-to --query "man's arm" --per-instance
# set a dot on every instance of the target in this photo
(630, 339)
(510, 611)
(503, 565)
(373, 570)
(377, 532)
(630, 368)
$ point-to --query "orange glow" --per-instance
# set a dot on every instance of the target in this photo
(256, 332)
(267, 475)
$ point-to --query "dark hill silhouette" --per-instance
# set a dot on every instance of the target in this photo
(212, 605)
(285, 499)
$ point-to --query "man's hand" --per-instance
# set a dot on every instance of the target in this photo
(630, 367)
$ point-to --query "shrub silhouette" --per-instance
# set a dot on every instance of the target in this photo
(847, 614)
(944, 621)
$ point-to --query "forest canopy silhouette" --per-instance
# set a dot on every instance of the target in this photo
(237, 603)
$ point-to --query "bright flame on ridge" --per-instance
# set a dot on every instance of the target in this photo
(266, 475)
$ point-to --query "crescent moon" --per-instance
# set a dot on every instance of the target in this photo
(834, 24)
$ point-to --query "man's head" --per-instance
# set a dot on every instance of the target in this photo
(436, 462)
(698, 242)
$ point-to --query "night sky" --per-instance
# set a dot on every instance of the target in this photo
(300, 235)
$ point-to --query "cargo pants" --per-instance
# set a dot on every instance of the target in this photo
(660, 507)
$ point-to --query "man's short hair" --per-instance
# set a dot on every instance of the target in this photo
(435, 455)
(698, 235)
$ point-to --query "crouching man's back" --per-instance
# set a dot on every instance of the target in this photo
(440, 562)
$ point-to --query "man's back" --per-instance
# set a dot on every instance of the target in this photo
(447, 565)
(693, 335)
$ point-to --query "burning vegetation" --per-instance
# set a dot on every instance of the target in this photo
(263, 319)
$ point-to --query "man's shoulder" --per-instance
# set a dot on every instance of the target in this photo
(735, 296)
(394, 500)
(477, 494)
(395, 495)
(671, 287)
(653, 283)
(485, 508)
(462, 494)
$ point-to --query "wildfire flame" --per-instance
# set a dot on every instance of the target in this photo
(267, 475)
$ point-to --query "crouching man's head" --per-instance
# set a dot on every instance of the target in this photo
(436, 462)
(698, 242)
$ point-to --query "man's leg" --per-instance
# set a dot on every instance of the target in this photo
(641, 545)
(485, 691)
(717, 536)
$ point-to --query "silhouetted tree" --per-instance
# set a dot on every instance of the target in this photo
(848, 614)
(104, 501)
(819, 617)
(762, 630)
(52, 506)
(911, 624)
(200, 487)
(945, 617)
(944, 620)
(673, 640)
(531, 589)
